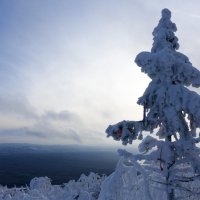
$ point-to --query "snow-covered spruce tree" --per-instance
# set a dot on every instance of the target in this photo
(171, 112)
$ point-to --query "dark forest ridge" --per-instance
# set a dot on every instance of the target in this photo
(19, 163)
(18, 147)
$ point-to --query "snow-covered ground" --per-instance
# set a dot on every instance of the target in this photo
(128, 182)
(86, 188)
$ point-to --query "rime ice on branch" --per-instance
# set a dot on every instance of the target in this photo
(171, 110)
(166, 101)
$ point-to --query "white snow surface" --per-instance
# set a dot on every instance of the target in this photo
(86, 188)
(128, 182)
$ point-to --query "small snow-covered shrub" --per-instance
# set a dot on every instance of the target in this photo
(86, 188)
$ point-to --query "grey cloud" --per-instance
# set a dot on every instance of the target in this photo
(22, 132)
(62, 115)
(43, 126)
(74, 135)
(16, 104)
(26, 132)
(19, 105)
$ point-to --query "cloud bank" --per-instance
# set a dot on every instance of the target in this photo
(67, 67)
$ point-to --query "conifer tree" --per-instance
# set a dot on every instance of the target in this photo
(171, 114)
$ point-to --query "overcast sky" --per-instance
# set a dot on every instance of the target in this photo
(67, 66)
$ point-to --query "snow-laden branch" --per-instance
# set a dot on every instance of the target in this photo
(126, 131)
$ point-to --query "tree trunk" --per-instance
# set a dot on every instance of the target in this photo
(170, 189)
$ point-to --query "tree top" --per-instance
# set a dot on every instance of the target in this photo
(164, 33)
(166, 13)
